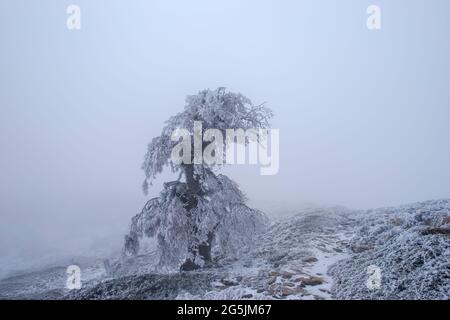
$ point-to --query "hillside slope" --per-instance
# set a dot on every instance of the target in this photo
(411, 246)
(320, 253)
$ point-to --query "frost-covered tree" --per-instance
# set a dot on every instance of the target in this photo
(202, 212)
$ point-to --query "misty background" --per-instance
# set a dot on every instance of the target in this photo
(363, 115)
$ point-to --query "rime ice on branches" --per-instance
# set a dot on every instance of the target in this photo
(202, 215)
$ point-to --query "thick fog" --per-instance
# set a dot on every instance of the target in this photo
(363, 114)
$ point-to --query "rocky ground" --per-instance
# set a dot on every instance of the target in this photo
(316, 254)
(289, 261)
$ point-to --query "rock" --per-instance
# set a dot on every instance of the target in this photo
(359, 248)
(272, 280)
(273, 289)
(310, 259)
(442, 231)
(396, 221)
(289, 284)
(229, 283)
(310, 281)
(285, 291)
(247, 296)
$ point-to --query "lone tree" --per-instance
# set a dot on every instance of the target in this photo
(202, 210)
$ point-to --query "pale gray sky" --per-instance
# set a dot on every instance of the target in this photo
(363, 115)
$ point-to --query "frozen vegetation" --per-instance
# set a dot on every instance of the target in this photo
(411, 246)
(319, 253)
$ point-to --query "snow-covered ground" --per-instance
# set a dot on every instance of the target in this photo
(411, 247)
(320, 253)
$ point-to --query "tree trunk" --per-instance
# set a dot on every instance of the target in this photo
(203, 249)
